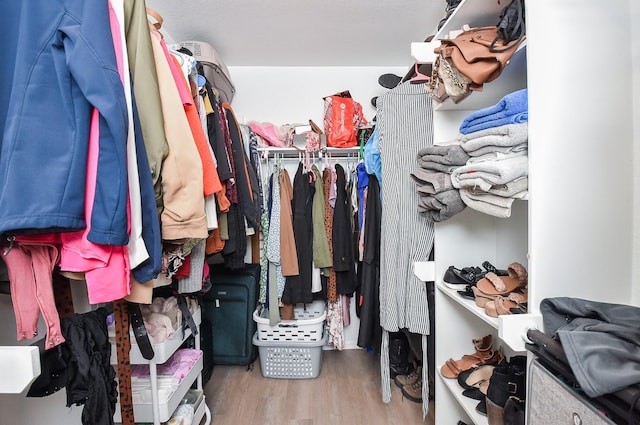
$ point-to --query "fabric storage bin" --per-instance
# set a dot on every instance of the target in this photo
(551, 401)
(308, 325)
(290, 360)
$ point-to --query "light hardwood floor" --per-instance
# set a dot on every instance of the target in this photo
(347, 392)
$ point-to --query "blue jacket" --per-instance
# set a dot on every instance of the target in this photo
(64, 65)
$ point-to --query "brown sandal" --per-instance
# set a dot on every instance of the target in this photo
(504, 305)
(492, 284)
(484, 354)
(481, 298)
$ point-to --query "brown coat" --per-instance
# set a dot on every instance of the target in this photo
(288, 252)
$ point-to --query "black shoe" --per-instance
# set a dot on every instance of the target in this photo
(451, 6)
(389, 81)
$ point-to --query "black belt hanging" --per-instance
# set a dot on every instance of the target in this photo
(186, 315)
(140, 331)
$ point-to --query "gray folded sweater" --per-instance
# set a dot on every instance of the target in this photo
(504, 135)
(443, 154)
(441, 206)
(488, 173)
(430, 182)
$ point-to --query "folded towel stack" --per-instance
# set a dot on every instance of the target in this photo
(506, 139)
(438, 200)
(511, 109)
(496, 172)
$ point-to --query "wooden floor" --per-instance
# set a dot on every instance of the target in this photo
(347, 392)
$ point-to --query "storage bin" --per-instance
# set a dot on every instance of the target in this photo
(553, 402)
(290, 360)
(308, 325)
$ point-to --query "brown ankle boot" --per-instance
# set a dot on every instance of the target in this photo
(414, 391)
(404, 380)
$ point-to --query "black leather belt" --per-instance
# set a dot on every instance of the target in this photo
(186, 315)
(140, 331)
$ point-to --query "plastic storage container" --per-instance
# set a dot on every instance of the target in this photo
(308, 325)
(290, 360)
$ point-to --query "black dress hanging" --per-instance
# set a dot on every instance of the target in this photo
(370, 334)
(343, 252)
(297, 289)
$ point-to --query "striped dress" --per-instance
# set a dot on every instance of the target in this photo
(405, 123)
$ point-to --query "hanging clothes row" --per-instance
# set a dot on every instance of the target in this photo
(146, 169)
(312, 228)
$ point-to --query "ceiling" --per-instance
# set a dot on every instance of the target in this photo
(303, 32)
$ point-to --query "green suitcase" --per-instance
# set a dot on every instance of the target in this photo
(228, 310)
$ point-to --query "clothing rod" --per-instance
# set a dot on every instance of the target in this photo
(294, 152)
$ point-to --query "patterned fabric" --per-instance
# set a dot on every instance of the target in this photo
(264, 261)
(332, 295)
(123, 346)
(273, 242)
(335, 325)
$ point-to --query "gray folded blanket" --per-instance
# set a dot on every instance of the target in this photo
(517, 189)
(435, 166)
(443, 154)
(430, 182)
(488, 173)
(522, 149)
(504, 135)
(441, 206)
(488, 203)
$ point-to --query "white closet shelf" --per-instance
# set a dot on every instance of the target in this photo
(469, 305)
(425, 270)
(422, 51)
(24, 369)
(143, 412)
(468, 404)
(162, 350)
(475, 13)
(512, 328)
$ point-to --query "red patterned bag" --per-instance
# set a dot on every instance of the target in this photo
(343, 118)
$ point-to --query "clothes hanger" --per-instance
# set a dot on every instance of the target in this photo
(419, 78)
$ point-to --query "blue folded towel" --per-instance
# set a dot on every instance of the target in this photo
(511, 109)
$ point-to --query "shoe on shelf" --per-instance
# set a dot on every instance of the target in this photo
(404, 380)
(389, 81)
(514, 303)
(493, 284)
(485, 354)
(507, 381)
(414, 391)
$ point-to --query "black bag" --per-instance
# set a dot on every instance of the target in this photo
(511, 25)
(228, 310)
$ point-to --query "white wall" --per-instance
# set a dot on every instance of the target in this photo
(284, 95)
